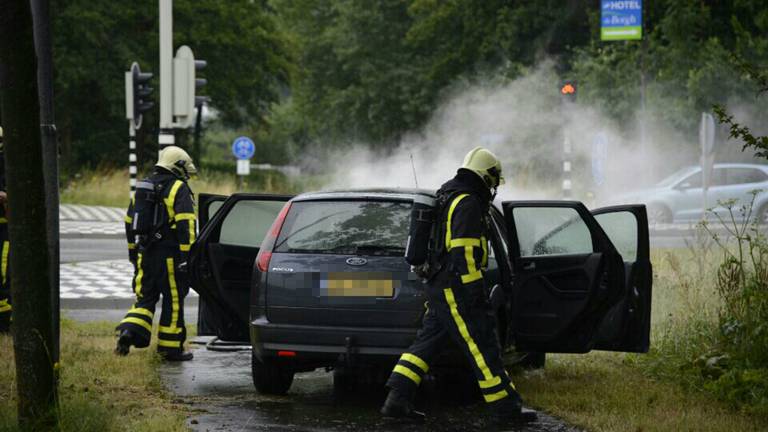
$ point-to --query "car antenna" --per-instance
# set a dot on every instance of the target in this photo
(415, 179)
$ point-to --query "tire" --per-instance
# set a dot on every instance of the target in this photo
(659, 214)
(533, 360)
(762, 215)
(271, 376)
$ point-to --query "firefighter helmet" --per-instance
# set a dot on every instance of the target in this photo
(176, 160)
(485, 164)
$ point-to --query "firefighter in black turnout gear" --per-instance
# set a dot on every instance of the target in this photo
(160, 227)
(457, 308)
(5, 279)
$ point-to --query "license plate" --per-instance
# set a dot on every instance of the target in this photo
(357, 284)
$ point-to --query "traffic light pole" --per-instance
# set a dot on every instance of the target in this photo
(132, 170)
(166, 137)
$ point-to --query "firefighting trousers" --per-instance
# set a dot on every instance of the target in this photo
(156, 276)
(5, 278)
(466, 319)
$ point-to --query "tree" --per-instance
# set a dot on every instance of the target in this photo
(29, 262)
(249, 65)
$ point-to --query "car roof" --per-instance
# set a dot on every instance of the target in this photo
(376, 193)
(763, 167)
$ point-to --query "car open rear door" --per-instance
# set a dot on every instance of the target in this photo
(568, 275)
(222, 260)
(627, 326)
(207, 206)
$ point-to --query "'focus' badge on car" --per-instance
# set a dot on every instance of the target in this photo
(357, 261)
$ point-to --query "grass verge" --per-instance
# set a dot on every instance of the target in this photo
(98, 390)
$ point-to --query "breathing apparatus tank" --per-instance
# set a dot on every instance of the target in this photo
(146, 216)
(420, 231)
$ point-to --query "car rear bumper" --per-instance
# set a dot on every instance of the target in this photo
(327, 342)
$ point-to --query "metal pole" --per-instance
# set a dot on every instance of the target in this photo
(567, 184)
(198, 126)
(132, 170)
(166, 137)
(42, 36)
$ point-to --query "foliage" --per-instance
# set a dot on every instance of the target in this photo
(249, 64)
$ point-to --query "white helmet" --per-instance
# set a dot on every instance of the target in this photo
(485, 164)
(176, 160)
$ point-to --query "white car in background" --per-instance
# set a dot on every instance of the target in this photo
(680, 197)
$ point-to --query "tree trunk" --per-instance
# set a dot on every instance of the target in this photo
(29, 260)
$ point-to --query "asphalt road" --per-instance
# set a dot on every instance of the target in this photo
(218, 388)
(81, 249)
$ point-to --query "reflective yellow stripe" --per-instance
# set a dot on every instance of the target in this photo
(168, 344)
(139, 275)
(410, 358)
(448, 220)
(185, 247)
(128, 219)
(490, 383)
(4, 264)
(413, 376)
(465, 242)
(185, 216)
(174, 294)
(141, 311)
(171, 199)
(472, 273)
(170, 330)
(473, 349)
(137, 321)
(471, 277)
(495, 396)
(131, 246)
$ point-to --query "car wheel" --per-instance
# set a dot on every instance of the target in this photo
(271, 376)
(659, 214)
(533, 360)
(762, 215)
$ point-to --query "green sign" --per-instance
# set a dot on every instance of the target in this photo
(621, 20)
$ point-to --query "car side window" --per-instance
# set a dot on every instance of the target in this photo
(745, 176)
(551, 231)
(621, 228)
(247, 222)
(691, 182)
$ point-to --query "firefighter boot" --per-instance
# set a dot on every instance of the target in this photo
(124, 342)
(400, 407)
(510, 409)
(177, 356)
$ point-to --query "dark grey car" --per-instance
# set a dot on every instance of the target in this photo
(319, 280)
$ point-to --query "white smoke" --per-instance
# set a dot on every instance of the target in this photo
(522, 121)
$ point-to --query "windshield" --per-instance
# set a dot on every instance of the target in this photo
(346, 227)
(677, 176)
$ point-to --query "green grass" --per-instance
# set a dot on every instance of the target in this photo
(109, 187)
(98, 390)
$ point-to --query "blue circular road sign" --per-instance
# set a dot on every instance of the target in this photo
(243, 148)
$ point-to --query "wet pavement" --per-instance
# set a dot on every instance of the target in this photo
(217, 386)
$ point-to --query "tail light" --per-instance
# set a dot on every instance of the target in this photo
(265, 251)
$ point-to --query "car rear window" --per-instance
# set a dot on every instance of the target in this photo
(345, 227)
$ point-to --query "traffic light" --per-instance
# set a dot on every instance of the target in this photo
(568, 90)
(185, 86)
(137, 94)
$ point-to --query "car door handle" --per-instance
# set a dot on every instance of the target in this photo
(527, 266)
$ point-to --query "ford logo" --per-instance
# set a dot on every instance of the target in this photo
(357, 261)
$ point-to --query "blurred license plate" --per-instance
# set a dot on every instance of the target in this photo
(357, 284)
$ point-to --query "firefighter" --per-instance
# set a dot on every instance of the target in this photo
(159, 247)
(5, 279)
(457, 303)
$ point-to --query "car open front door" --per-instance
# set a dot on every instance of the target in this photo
(568, 275)
(207, 206)
(627, 326)
(222, 260)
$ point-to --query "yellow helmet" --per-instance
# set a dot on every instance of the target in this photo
(176, 160)
(485, 164)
